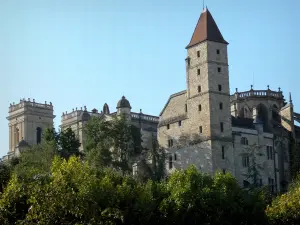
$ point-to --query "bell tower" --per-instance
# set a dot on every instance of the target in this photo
(27, 121)
(208, 96)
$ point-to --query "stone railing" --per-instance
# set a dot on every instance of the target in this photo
(144, 117)
(258, 93)
(70, 115)
(24, 103)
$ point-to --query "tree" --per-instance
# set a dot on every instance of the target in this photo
(68, 143)
(253, 152)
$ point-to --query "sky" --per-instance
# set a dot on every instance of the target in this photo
(78, 53)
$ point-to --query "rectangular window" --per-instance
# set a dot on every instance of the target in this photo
(219, 69)
(200, 129)
(198, 71)
(244, 141)
(218, 51)
(221, 105)
(271, 184)
(245, 161)
(220, 87)
(175, 156)
(170, 162)
(179, 123)
(168, 126)
(199, 108)
(170, 143)
(223, 152)
(198, 54)
(199, 89)
(185, 107)
(269, 152)
(222, 127)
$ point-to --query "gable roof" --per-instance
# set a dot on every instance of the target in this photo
(172, 96)
(206, 30)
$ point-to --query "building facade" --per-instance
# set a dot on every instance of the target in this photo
(206, 126)
(27, 121)
(79, 117)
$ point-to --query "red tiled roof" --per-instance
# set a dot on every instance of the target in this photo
(206, 30)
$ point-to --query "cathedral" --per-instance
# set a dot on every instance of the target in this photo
(203, 125)
(28, 119)
(206, 126)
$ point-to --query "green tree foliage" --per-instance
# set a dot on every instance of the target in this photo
(112, 143)
(285, 209)
(74, 194)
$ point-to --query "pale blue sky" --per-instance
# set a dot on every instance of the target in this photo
(88, 52)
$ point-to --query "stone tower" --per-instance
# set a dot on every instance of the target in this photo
(27, 121)
(123, 107)
(208, 95)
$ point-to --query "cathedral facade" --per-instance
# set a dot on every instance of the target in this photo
(28, 119)
(206, 126)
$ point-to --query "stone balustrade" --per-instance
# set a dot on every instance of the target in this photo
(258, 93)
(24, 103)
(145, 117)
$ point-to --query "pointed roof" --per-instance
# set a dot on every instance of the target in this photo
(206, 30)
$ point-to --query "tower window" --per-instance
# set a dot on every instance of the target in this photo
(198, 71)
(199, 108)
(218, 51)
(200, 129)
(38, 135)
(223, 152)
(170, 162)
(244, 141)
(199, 89)
(170, 143)
(220, 87)
(222, 127)
(269, 152)
(185, 107)
(198, 54)
(179, 123)
(245, 161)
(219, 69)
(221, 105)
(168, 126)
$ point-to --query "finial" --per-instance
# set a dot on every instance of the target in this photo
(203, 4)
(50, 103)
(76, 108)
(13, 103)
(66, 112)
(279, 89)
(236, 90)
(140, 110)
(63, 113)
(29, 99)
(268, 86)
(291, 101)
(81, 108)
(33, 100)
(73, 109)
(251, 86)
(45, 102)
(84, 108)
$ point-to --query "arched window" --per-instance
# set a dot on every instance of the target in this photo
(38, 135)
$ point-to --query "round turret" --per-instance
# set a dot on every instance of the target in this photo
(123, 103)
